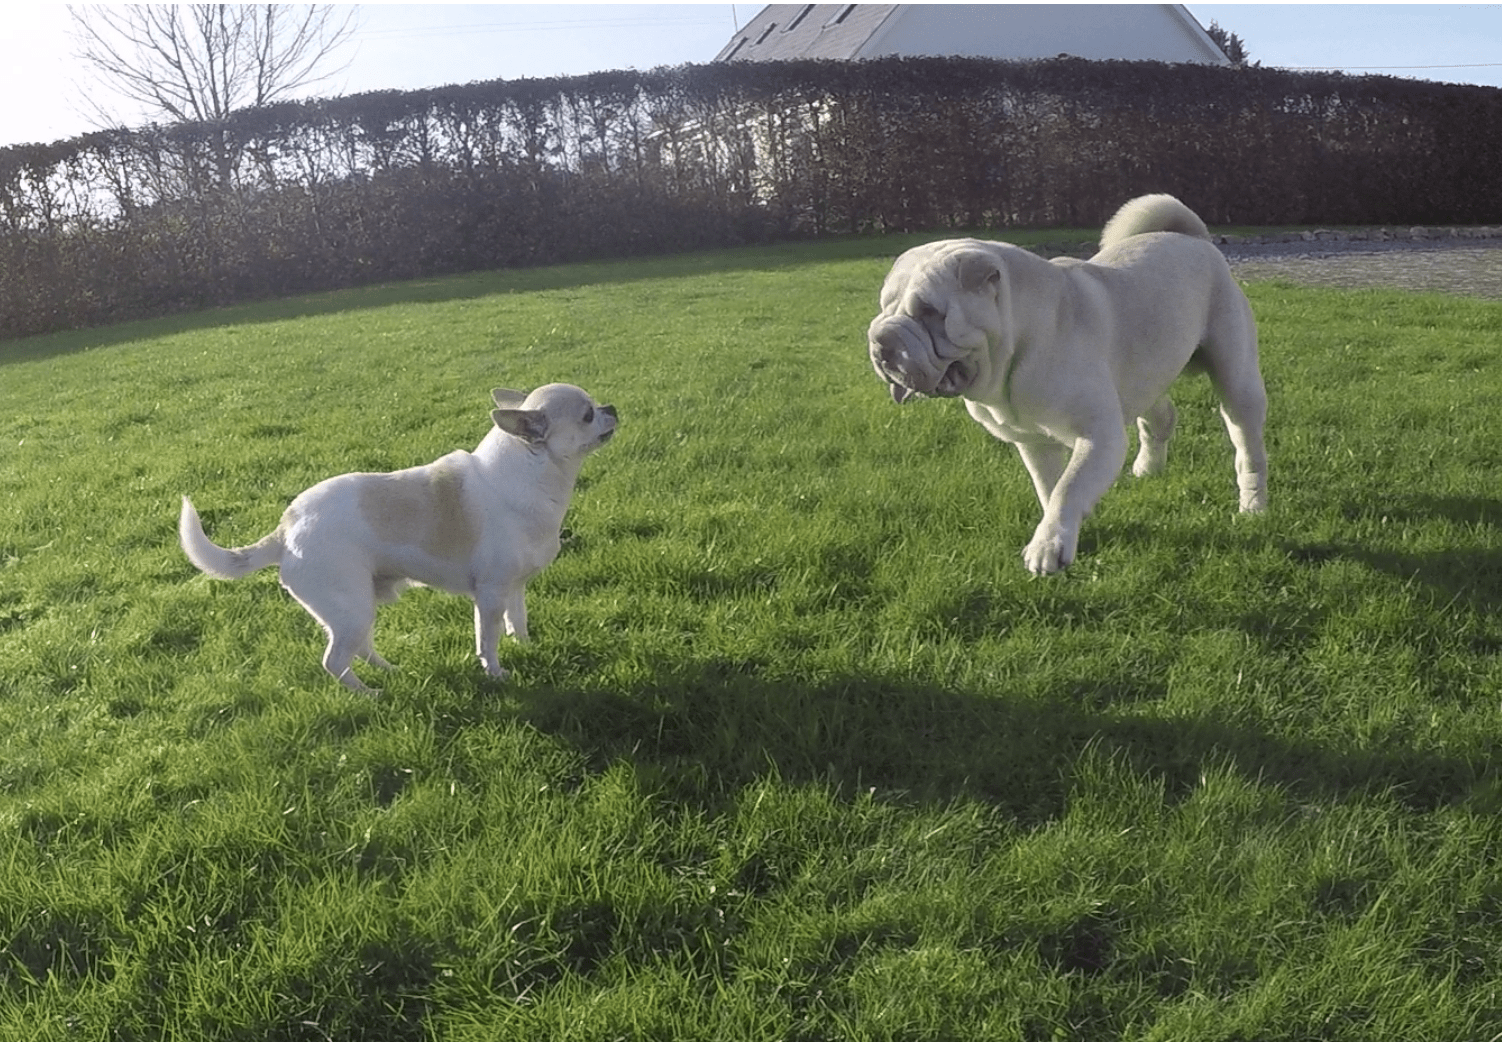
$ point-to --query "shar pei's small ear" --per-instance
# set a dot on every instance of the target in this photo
(507, 398)
(978, 270)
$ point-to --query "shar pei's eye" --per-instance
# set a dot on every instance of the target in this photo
(589, 415)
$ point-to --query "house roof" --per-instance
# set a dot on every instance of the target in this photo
(782, 31)
(1166, 32)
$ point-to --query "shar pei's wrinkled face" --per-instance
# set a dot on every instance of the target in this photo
(940, 331)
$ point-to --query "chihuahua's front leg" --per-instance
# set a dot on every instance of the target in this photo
(489, 609)
(516, 614)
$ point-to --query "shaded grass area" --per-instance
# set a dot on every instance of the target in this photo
(799, 750)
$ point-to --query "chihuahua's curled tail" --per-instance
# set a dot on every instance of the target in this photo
(218, 562)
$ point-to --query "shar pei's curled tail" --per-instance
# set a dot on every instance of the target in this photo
(1158, 213)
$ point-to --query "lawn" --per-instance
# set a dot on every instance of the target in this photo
(799, 750)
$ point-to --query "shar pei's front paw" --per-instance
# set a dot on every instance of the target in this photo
(1051, 551)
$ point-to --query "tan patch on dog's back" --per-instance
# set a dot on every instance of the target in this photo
(424, 507)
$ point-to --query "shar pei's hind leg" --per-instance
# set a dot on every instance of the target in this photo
(1154, 428)
(1244, 417)
(1231, 358)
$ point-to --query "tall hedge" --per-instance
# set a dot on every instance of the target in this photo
(389, 185)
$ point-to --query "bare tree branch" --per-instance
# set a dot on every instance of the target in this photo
(203, 61)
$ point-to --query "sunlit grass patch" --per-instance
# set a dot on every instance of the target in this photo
(800, 750)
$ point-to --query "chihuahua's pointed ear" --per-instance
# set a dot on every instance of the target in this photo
(531, 426)
(507, 398)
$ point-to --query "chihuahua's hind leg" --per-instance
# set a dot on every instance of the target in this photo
(347, 614)
(387, 590)
(347, 641)
(341, 651)
(369, 654)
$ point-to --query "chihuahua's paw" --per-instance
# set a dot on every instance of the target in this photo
(494, 669)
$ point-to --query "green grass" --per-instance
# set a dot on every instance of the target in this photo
(799, 749)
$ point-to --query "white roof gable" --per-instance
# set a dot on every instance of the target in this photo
(1161, 32)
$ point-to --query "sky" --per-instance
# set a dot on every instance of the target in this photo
(427, 45)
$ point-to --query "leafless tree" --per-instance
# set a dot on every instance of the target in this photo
(203, 61)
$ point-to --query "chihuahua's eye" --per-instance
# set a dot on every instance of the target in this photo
(589, 415)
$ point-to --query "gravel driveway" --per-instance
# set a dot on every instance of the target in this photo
(1469, 266)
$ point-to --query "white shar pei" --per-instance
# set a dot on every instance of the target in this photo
(1056, 356)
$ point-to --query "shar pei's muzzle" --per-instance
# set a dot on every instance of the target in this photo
(915, 359)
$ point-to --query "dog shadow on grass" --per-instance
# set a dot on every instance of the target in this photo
(718, 725)
(1466, 573)
(714, 728)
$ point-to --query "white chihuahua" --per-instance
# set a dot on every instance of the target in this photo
(477, 524)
